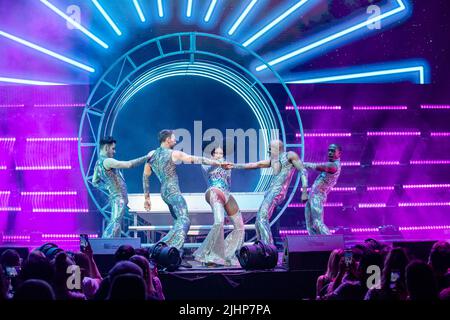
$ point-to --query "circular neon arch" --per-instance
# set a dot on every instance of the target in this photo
(187, 55)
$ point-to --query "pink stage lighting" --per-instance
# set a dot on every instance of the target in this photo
(435, 106)
(15, 238)
(52, 139)
(49, 193)
(369, 229)
(423, 162)
(10, 209)
(61, 210)
(75, 236)
(350, 163)
(424, 204)
(371, 205)
(60, 105)
(325, 135)
(293, 232)
(44, 168)
(426, 186)
(379, 108)
(363, 230)
(385, 163)
(380, 188)
(12, 105)
(392, 133)
(319, 108)
(327, 204)
(344, 189)
(440, 134)
(421, 228)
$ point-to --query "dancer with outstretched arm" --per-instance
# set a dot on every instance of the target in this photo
(283, 165)
(163, 162)
(329, 174)
(108, 176)
(215, 250)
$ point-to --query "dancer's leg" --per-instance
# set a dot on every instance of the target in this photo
(212, 250)
(235, 238)
(178, 209)
(262, 225)
(317, 215)
(114, 227)
(308, 218)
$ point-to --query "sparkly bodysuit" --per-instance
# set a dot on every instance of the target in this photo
(165, 169)
(218, 178)
(113, 181)
(317, 198)
(274, 196)
(214, 248)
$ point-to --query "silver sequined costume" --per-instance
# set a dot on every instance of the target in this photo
(113, 181)
(165, 169)
(317, 198)
(214, 248)
(274, 196)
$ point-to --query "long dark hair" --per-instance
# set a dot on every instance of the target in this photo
(333, 263)
(396, 260)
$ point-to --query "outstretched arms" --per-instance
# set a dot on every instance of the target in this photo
(111, 163)
(329, 167)
(252, 165)
(187, 158)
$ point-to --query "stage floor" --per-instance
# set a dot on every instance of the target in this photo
(238, 284)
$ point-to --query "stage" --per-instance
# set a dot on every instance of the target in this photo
(200, 284)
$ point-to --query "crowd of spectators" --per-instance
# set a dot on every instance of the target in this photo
(50, 273)
(375, 271)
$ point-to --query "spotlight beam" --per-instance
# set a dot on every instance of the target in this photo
(75, 24)
(211, 8)
(31, 82)
(139, 10)
(107, 17)
(419, 69)
(46, 51)
(272, 24)
(160, 9)
(242, 17)
(189, 8)
(334, 36)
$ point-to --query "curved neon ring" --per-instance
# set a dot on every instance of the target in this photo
(192, 51)
(196, 70)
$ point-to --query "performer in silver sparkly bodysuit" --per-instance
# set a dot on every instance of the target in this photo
(215, 250)
(329, 174)
(282, 164)
(107, 175)
(162, 162)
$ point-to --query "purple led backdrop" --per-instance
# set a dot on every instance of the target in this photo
(41, 189)
(40, 174)
(396, 152)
